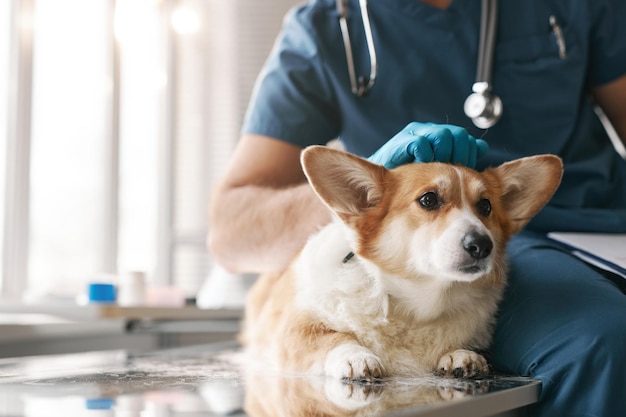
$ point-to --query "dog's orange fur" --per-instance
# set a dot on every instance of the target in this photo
(386, 313)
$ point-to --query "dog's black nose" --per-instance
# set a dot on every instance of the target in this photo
(478, 246)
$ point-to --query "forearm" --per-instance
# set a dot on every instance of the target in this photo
(260, 229)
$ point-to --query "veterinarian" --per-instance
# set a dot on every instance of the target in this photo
(553, 60)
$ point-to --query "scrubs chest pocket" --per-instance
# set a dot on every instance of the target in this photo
(540, 75)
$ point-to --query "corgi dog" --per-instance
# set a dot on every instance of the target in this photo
(407, 279)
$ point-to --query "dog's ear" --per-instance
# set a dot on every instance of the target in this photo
(346, 183)
(528, 184)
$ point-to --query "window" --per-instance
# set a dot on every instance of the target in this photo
(140, 31)
(70, 136)
(5, 31)
(123, 116)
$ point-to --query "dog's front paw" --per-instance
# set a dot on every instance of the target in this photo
(462, 363)
(353, 362)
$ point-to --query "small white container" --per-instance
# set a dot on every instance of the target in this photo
(131, 290)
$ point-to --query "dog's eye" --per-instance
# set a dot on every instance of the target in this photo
(429, 200)
(484, 207)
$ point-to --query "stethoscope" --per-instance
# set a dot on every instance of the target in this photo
(482, 106)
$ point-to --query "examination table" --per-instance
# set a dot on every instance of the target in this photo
(213, 380)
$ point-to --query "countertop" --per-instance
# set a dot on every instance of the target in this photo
(213, 380)
(53, 328)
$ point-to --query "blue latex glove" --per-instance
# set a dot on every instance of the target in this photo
(427, 142)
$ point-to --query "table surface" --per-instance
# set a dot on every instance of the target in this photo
(113, 311)
(211, 380)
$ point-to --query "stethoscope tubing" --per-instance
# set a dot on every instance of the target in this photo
(488, 28)
(489, 108)
(361, 85)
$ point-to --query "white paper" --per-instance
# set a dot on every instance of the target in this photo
(607, 251)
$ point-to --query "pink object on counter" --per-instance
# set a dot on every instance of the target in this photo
(165, 296)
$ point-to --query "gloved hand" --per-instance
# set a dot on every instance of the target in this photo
(427, 142)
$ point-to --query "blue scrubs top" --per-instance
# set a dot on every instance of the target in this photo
(427, 61)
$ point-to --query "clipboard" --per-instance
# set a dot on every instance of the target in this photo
(603, 250)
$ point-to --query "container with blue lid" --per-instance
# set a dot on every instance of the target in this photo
(101, 293)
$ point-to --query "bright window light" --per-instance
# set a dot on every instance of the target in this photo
(143, 80)
(185, 20)
(5, 27)
(69, 136)
(181, 102)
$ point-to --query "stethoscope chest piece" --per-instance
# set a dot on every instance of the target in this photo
(484, 108)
